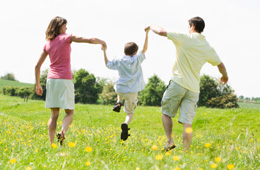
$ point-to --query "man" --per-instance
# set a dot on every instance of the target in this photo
(192, 52)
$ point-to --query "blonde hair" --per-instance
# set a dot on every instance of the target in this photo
(53, 29)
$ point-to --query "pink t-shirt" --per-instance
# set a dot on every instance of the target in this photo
(59, 52)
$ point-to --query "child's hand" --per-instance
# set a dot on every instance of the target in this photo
(147, 29)
(104, 47)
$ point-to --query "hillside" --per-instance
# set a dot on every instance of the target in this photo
(4, 83)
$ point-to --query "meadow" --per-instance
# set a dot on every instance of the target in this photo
(222, 139)
(4, 83)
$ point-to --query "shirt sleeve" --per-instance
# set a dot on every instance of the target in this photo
(214, 58)
(112, 64)
(68, 38)
(140, 57)
(175, 37)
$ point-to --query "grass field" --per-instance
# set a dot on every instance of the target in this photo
(4, 83)
(222, 139)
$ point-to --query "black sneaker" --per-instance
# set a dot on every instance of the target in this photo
(124, 133)
(117, 107)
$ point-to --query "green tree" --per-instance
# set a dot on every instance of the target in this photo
(108, 95)
(9, 76)
(216, 95)
(86, 87)
(153, 92)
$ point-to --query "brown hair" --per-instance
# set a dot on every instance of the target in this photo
(198, 23)
(53, 29)
(130, 48)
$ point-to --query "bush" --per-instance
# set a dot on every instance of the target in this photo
(108, 95)
(216, 95)
(153, 92)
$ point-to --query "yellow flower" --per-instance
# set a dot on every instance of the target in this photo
(1, 142)
(36, 150)
(207, 145)
(53, 145)
(176, 158)
(167, 153)
(12, 161)
(28, 168)
(188, 130)
(87, 163)
(88, 149)
(71, 144)
(154, 147)
(200, 169)
(230, 166)
(137, 168)
(159, 157)
(251, 140)
(258, 139)
(217, 159)
(213, 165)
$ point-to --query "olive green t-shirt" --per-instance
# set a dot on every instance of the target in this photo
(192, 52)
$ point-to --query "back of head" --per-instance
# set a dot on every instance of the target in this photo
(130, 48)
(53, 29)
(198, 23)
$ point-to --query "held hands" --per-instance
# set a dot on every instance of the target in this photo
(147, 29)
(104, 46)
(39, 90)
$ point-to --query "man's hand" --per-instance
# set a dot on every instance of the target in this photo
(224, 79)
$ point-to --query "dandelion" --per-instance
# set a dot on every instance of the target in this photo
(87, 163)
(167, 153)
(159, 157)
(207, 145)
(53, 145)
(213, 166)
(251, 140)
(137, 168)
(177, 168)
(154, 147)
(28, 168)
(36, 150)
(258, 139)
(88, 149)
(200, 169)
(175, 158)
(12, 161)
(71, 144)
(230, 166)
(217, 159)
(188, 130)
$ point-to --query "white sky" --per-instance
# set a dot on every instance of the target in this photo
(232, 28)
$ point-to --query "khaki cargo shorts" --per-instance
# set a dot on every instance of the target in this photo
(176, 97)
(130, 101)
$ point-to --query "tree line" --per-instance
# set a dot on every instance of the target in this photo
(95, 90)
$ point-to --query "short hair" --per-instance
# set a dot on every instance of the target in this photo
(53, 29)
(198, 23)
(130, 48)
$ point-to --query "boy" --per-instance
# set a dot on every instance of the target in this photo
(130, 80)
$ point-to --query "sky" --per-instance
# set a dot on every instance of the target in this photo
(232, 28)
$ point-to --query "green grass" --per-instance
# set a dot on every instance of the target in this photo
(231, 134)
(4, 83)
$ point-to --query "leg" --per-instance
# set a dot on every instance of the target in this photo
(128, 118)
(167, 124)
(119, 99)
(52, 124)
(187, 137)
(67, 121)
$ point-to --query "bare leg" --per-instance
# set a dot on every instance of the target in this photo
(52, 124)
(66, 121)
(167, 124)
(187, 137)
(128, 118)
(119, 99)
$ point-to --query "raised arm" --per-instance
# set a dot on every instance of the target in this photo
(104, 48)
(87, 40)
(146, 40)
(158, 30)
(223, 71)
(42, 58)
